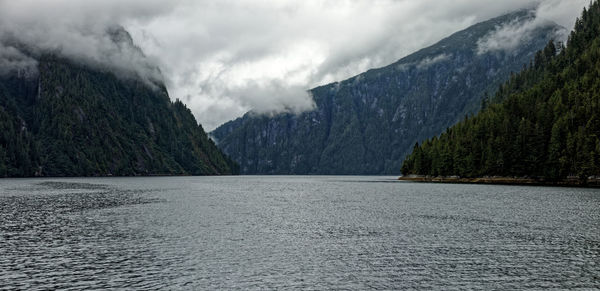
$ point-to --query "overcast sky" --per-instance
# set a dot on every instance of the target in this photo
(225, 57)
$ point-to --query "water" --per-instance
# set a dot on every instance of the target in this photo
(294, 232)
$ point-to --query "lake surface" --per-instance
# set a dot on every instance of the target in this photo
(256, 232)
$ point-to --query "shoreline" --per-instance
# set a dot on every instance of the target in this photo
(496, 180)
(116, 176)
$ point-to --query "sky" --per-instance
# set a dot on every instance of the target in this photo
(223, 58)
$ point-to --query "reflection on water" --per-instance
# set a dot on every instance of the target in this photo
(294, 232)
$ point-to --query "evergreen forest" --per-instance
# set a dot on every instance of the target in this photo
(543, 123)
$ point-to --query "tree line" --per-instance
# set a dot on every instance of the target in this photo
(542, 123)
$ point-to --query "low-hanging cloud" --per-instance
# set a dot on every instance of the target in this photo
(13, 61)
(72, 29)
(225, 57)
(511, 35)
(425, 63)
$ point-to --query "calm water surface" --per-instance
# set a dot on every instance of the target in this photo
(294, 232)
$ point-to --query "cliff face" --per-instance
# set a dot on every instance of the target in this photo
(70, 119)
(369, 123)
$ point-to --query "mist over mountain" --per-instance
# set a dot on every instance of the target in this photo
(367, 124)
(65, 116)
(545, 127)
(225, 58)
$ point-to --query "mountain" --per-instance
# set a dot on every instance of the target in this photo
(60, 117)
(367, 124)
(545, 123)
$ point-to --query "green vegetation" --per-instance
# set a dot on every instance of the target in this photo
(369, 123)
(543, 123)
(72, 120)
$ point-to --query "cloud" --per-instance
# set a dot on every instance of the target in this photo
(432, 61)
(84, 31)
(225, 57)
(273, 97)
(510, 36)
(563, 12)
(12, 61)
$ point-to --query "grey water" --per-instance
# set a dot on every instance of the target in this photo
(294, 232)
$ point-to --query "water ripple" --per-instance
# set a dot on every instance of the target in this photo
(294, 233)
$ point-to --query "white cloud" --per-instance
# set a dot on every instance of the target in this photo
(433, 60)
(12, 61)
(511, 35)
(81, 30)
(507, 37)
(225, 57)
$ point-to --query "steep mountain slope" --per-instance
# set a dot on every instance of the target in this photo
(369, 123)
(69, 119)
(547, 125)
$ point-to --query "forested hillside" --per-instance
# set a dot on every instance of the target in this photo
(369, 123)
(543, 123)
(70, 119)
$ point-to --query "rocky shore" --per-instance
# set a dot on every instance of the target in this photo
(593, 181)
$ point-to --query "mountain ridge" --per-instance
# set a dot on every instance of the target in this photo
(545, 125)
(70, 118)
(345, 133)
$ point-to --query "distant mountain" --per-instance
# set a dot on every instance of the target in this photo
(369, 123)
(546, 127)
(60, 117)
